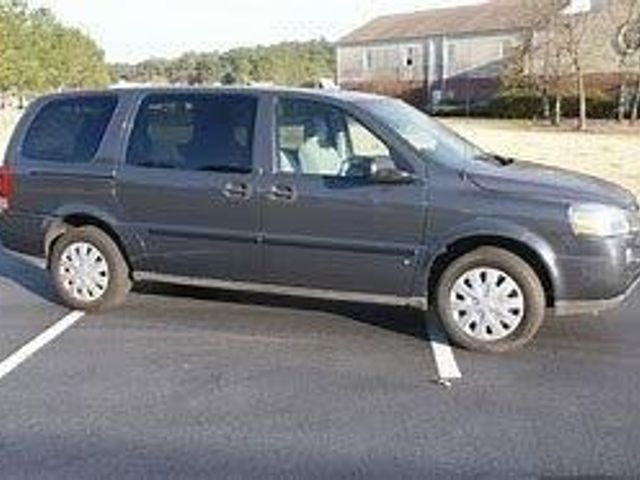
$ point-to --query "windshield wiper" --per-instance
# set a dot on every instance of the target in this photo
(492, 157)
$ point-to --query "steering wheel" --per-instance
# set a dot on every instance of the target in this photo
(345, 166)
(355, 167)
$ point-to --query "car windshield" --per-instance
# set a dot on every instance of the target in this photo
(428, 136)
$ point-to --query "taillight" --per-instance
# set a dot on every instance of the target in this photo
(5, 187)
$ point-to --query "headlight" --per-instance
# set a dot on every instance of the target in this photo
(597, 220)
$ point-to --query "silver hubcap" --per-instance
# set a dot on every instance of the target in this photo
(487, 304)
(84, 272)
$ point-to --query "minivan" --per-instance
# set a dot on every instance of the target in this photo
(338, 195)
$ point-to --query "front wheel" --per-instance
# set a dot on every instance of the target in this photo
(88, 270)
(491, 300)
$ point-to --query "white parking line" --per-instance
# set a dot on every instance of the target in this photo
(442, 352)
(13, 361)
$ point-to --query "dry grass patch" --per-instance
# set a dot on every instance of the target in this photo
(610, 153)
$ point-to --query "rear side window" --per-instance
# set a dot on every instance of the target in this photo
(205, 132)
(69, 130)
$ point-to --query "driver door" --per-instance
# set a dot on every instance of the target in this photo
(327, 226)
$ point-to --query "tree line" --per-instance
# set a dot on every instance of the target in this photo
(38, 53)
(289, 63)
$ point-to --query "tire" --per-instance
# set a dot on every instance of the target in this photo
(490, 300)
(102, 279)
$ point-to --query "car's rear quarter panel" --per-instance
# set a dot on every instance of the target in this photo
(44, 193)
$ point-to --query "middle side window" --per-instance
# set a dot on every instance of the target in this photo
(204, 132)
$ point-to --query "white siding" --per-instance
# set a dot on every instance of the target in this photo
(402, 61)
(478, 56)
(473, 56)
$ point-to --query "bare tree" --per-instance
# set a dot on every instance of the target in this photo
(556, 66)
(635, 104)
(624, 20)
(545, 54)
(568, 40)
(560, 51)
(628, 39)
(573, 29)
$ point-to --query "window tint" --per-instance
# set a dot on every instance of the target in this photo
(194, 132)
(69, 130)
(318, 139)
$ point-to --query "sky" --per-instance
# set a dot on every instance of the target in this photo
(134, 30)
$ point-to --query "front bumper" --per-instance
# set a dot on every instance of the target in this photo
(601, 277)
(564, 308)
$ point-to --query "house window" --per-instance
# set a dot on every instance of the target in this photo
(577, 6)
(410, 56)
(599, 5)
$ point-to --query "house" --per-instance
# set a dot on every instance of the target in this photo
(439, 57)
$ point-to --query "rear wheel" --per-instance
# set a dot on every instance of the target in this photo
(88, 270)
(491, 300)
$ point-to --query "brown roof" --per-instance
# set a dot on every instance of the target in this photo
(496, 15)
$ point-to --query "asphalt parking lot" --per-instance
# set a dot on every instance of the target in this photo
(184, 383)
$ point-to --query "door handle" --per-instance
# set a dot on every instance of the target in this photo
(236, 190)
(282, 193)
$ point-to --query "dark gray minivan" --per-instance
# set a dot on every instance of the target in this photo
(326, 194)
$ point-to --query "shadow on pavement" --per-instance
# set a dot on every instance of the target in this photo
(402, 320)
(28, 276)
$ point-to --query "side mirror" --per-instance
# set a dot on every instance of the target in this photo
(384, 171)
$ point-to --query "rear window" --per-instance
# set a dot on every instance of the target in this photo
(69, 130)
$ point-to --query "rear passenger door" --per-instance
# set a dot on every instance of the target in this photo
(187, 185)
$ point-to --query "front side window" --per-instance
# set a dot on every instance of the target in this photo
(322, 140)
(194, 132)
(69, 130)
